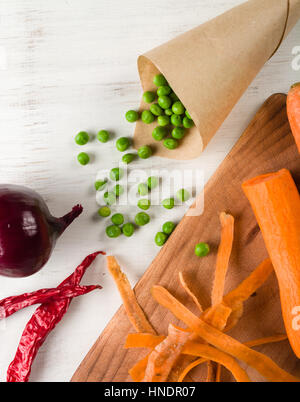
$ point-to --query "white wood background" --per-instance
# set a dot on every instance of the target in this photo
(70, 65)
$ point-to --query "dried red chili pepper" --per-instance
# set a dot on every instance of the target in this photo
(11, 305)
(43, 321)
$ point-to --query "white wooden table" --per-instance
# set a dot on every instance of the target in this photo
(70, 65)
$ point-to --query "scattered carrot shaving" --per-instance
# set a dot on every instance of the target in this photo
(135, 313)
(190, 367)
(218, 373)
(250, 344)
(217, 316)
(184, 283)
(249, 286)
(163, 357)
(210, 353)
(265, 341)
(210, 371)
(137, 372)
(264, 365)
(224, 252)
(172, 357)
(143, 341)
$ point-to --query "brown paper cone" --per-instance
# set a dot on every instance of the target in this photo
(211, 66)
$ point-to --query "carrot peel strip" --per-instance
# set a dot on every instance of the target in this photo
(184, 283)
(223, 342)
(143, 341)
(210, 353)
(163, 357)
(133, 309)
(224, 252)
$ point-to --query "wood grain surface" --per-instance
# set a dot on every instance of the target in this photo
(267, 145)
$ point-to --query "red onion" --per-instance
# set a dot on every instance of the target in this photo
(28, 232)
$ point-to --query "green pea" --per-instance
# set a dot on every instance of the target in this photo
(109, 198)
(176, 120)
(156, 109)
(141, 219)
(104, 212)
(147, 117)
(168, 227)
(174, 97)
(171, 143)
(128, 229)
(83, 158)
(164, 90)
(113, 231)
(152, 182)
(159, 80)
(100, 185)
(168, 112)
(82, 138)
(163, 120)
(116, 174)
(118, 190)
(122, 144)
(159, 133)
(160, 239)
(202, 249)
(168, 203)
(149, 97)
(178, 133)
(188, 115)
(103, 136)
(187, 123)
(178, 108)
(145, 152)
(128, 158)
(132, 116)
(144, 204)
(183, 195)
(143, 189)
(117, 219)
(164, 102)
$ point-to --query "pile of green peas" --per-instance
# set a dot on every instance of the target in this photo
(172, 117)
(168, 111)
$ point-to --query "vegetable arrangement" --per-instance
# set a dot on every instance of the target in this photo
(28, 231)
(54, 305)
(172, 357)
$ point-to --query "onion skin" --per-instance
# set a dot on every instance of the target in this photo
(28, 232)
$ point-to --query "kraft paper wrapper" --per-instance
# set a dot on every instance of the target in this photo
(211, 66)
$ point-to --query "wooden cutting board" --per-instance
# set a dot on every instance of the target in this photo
(266, 145)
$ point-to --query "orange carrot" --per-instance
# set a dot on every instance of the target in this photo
(137, 372)
(249, 286)
(256, 342)
(143, 341)
(224, 343)
(184, 283)
(234, 300)
(218, 373)
(210, 371)
(224, 251)
(276, 203)
(163, 357)
(190, 367)
(293, 111)
(133, 309)
(208, 352)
